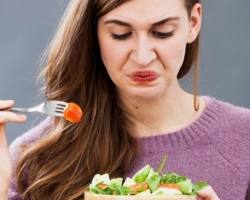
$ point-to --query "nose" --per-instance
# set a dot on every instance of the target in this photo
(143, 52)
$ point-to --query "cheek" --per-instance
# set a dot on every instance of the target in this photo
(106, 52)
(112, 54)
(173, 54)
(113, 57)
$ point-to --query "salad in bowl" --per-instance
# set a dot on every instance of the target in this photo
(145, 184)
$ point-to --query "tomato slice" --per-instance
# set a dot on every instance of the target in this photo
(139, 187)
(73, 113)
(102, 186)
(169, 185)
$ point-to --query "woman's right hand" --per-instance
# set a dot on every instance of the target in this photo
(5, 159)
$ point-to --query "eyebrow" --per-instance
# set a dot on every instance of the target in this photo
(121, 23)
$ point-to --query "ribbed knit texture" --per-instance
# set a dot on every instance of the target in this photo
(215, 148)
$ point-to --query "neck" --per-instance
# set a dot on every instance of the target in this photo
(165, 114)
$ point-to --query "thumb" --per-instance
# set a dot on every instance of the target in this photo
(3, 138)
(207, 193)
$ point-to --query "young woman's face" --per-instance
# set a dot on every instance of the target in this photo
(143, 43)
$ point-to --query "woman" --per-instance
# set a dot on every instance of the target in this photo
(121, 62)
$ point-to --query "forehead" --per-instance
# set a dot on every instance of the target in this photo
(147, 10)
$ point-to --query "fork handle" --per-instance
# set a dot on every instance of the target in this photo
(17, 110)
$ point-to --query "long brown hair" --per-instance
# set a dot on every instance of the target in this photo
(63, 162)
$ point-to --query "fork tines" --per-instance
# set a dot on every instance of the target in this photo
(60, 108)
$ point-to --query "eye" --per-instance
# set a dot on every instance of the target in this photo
(121, 36)
(162, 35)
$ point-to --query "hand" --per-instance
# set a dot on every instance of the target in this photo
(5, 159)
(207, 193)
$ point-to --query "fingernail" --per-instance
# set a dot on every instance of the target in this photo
(21, 116)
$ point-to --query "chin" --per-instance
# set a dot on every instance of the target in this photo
(146, 95)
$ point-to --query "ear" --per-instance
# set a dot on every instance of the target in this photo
(195, 22)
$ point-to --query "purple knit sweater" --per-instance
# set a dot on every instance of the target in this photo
(215, 148)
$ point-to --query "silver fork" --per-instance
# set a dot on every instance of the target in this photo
(55, 108)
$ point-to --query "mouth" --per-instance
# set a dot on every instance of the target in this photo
(143, 76)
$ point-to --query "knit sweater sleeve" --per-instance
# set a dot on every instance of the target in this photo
(27, 138)
(232, 140)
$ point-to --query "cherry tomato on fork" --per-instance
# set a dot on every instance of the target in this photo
(73, 112)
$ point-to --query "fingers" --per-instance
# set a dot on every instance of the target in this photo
(6, 104)
(6, 116)
(207, 193)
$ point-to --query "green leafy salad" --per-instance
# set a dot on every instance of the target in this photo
(146, 182)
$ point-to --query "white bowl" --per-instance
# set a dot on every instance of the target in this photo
(90, 196)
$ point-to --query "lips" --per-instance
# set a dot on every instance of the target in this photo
(143, 76)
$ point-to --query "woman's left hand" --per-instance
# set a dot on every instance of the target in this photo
(207, 193)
